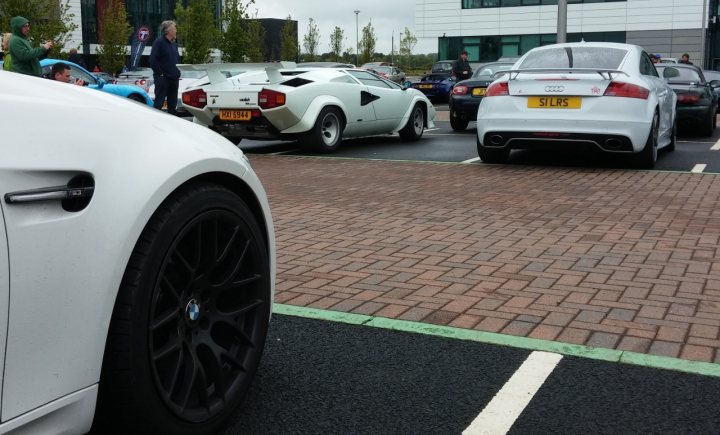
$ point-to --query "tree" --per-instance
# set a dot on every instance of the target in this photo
(256, 39)
(311, 40)
(288, 40)
(113, 36)
(234, 38)
(367, 44)
(196, 30)
(407, 43)
(337, 39)
(50, 19)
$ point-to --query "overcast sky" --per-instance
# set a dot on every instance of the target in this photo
(387, 16)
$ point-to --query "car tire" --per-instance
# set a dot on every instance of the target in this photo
(326, 134)
(673, 136)
(492, 155)
(457, 123)
(190, 320)
(415, 126)
(235, 140)
(647, 157)
(136, 97)
(710, 123)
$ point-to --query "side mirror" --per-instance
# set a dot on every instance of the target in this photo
(407, 84)
(715, 83)
(100, 81)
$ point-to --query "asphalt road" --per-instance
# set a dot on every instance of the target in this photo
(442, 144)
(328, 377)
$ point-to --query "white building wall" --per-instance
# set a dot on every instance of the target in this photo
(75, 40)
(435, 18)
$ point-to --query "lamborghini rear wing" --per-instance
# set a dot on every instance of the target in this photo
(217, 71)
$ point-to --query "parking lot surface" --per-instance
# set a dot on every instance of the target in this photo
(606, 258)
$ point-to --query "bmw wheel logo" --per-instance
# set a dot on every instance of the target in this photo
(192, 310)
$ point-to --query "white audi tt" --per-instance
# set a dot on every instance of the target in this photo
(602, 95)
(316, 106)
(137, 265)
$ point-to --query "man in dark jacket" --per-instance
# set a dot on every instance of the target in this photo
(25, 57)
(164, 58)
(76, 58)
(461, 67)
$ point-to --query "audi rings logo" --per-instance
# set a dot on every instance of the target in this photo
(554, 88)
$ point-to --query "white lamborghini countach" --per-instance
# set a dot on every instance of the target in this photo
(316, 106)
(137, 266)
(605, 96)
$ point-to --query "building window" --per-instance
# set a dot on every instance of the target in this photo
(491, 48)
(477, 4)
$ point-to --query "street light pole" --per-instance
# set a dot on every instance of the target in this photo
(357, 41)
(562, 22)
(400, 52)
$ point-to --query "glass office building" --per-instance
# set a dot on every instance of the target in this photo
(490, 29)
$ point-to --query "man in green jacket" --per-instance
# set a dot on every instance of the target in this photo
(25, 58)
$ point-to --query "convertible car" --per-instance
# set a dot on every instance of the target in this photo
(435, 85)
(601, 95)
(136, 268)
(316, 106)
(132, 92)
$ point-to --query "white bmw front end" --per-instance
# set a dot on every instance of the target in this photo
(104, 231)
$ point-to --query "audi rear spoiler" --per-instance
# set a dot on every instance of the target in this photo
(606, 74)
(216, 71)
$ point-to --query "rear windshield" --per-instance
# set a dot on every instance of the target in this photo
(488, 71)
(575, 57)
(680, 75)
(434, 78)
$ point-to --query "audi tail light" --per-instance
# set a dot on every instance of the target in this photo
(195, 98)
(498, 89)
(460, 90)
(627, 90)
(268, 99)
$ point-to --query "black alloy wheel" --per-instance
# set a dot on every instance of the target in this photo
(191, 319)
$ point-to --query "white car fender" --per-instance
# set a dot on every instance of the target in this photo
(430, 114)
(309, 117)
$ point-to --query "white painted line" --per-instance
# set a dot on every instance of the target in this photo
(476, 159)
(716, 147)
(502, 411)
(432, 129)
(698, 168)
(283, 152)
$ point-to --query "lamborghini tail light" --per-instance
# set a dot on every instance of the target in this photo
(268, 99)
(195, 98)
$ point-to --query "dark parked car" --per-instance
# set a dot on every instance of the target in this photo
(435, 85)
(442, 66)
(696, 99)
(467, 94)
(714, 78)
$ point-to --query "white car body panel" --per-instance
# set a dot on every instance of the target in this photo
(388, 113)
(66, 267)
(598, 114)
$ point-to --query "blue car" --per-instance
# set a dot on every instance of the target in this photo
(435, 85)
(94, 82)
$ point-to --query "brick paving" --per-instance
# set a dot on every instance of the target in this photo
(608, 258)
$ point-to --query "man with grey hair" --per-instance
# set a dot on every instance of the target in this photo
(164, 58)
